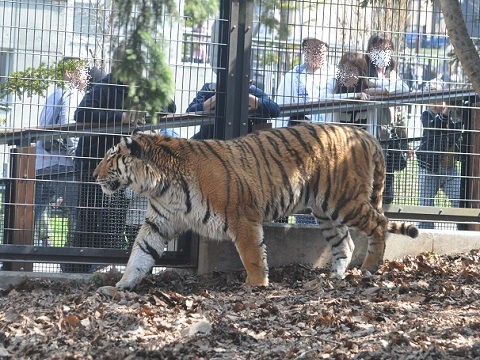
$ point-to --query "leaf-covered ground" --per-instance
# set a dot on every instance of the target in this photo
(427, 307)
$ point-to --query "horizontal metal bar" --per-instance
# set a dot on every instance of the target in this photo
(346, 104)
(29, 135)
(25, 253)
(411, 212)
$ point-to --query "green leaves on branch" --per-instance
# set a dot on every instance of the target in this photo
(145, 69)
(281, 24)
(35, 81)
(151, 89)
(197, 12)
(149, 11)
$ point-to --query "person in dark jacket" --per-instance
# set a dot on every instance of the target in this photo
(437, 157)
(260, 105)
(100, 220)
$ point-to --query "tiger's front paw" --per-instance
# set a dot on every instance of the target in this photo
(128, 282)
(337, 275)
(109, 292)
(124, 285)
(339, 268)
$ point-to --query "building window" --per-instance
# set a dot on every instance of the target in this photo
(5, 66)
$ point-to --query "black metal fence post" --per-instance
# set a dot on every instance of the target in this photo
(234, 68)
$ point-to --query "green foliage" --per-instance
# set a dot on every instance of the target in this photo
(364, 3)
(144, 12)
(151, 89)
(197, 12)
(35, 81)
(267, 16)
(144, 69)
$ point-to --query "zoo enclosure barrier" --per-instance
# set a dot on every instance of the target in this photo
(250, 50)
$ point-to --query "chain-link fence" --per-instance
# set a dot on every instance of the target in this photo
(252, 65)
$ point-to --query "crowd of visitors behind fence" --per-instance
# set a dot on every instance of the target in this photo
(101, 221)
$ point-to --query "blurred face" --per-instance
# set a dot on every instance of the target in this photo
(315, 55)
(381, 58)
(79, 78)
(348, 76)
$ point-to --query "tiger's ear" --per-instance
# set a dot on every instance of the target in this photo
(133, 146)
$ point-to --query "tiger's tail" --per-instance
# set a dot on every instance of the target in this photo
(403, 229)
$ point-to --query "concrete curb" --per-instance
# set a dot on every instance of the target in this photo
(14, 278)
(288, 244)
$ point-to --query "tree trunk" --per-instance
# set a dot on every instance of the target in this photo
(461, 41)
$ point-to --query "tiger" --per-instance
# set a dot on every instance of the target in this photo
(226, 189)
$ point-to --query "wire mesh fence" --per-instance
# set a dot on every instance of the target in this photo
(388, 68)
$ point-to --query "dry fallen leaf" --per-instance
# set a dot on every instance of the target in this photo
(72, 320)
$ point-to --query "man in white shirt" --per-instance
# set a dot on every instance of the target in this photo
(54, 163)
(307, 82)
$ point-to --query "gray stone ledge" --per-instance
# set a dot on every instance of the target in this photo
(288, 244)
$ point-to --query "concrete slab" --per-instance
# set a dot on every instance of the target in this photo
(455, 241)
(288, 244)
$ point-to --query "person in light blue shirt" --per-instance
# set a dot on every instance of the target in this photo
(100, 219)
(54, 162)
(307, 82)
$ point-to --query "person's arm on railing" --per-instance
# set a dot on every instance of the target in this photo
(329, 93)
(384, 86)
(264, 107)
(206, 92)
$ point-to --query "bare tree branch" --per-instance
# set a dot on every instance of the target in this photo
(464, 48)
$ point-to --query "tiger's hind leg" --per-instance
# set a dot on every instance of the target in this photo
(374, 224)
(248, 239)
(341, 243)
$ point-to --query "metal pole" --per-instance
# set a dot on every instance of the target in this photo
(223, 68)
(233, 75)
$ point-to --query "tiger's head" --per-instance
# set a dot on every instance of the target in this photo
(120, 167)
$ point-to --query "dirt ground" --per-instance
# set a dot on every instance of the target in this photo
(427, 307)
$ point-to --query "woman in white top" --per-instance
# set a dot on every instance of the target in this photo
(306, 82)
(382, 73)
(350, 83)
(385, 80)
